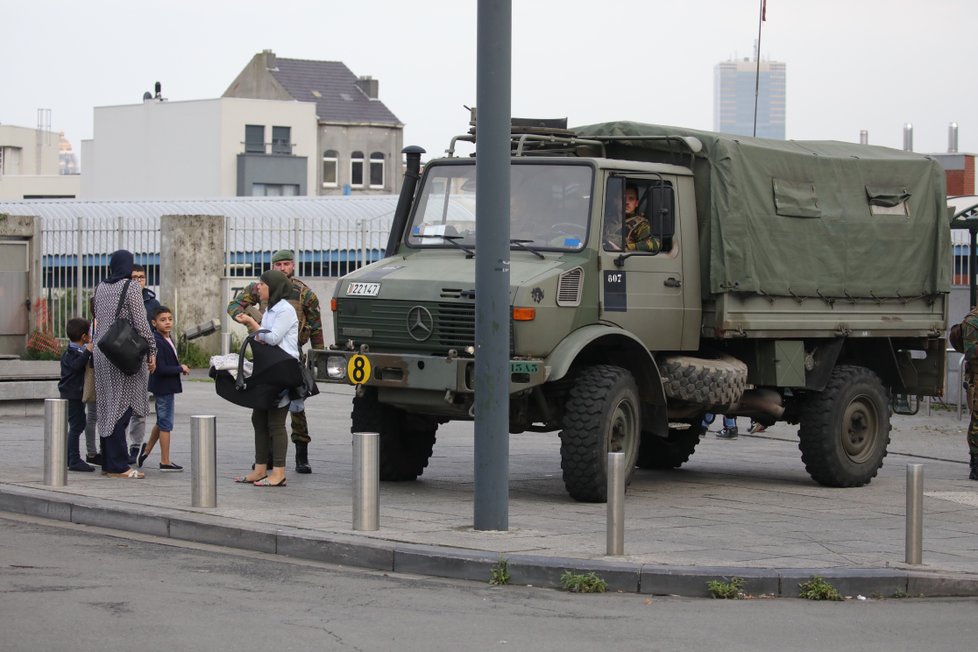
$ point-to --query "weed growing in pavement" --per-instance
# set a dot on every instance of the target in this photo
(499, 573)
(583, 583)
(727, 590)
(817, 588)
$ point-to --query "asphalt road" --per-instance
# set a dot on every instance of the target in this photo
(70, 587)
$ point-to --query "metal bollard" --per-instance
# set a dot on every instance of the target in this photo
(203, 461)
(915, 513)
(616, 503)
(55, 442)
(366, 481)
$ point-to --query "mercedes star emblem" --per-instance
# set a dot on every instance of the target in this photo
(420, 323)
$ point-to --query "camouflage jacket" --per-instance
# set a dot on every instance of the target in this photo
(303, 299)
(640, 236)
(969, 338)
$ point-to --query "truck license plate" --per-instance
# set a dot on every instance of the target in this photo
(363, 289)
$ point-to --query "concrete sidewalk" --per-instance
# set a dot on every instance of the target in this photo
(743, 508)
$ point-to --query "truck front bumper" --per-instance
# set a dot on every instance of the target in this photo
(414, 371)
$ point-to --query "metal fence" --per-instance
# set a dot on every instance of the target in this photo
(75, 258)
(75, 253)
(323, 248)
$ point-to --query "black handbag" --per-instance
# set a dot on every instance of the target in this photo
(273, 371)
(121, 343)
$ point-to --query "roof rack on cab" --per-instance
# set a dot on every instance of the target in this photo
(538, 137)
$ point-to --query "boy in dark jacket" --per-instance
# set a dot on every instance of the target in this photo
(164, 384)
(73, 362)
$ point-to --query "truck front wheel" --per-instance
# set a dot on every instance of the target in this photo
(406, 440)
(673, 451)
(845, 428)
(602, 415)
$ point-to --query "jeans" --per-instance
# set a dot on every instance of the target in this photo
(165, 412)
(115, 455)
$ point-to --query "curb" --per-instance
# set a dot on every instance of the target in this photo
(473, 565)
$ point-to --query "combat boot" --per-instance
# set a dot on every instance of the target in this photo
(974, 467)
(302, 458)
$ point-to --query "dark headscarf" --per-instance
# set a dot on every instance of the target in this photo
(120, 266)
(279, 286)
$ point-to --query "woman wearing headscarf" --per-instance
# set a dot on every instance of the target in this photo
(281, 321)
(119, 396)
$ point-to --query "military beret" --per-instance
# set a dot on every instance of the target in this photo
(282, 254)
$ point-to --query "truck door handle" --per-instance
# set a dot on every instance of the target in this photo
(672, 282)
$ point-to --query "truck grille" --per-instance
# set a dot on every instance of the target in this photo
(384, 324)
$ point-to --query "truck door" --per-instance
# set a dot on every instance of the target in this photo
(641, 260)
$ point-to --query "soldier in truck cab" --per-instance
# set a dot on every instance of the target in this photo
(637, 231)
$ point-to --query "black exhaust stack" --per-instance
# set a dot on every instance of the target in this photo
(412, 173)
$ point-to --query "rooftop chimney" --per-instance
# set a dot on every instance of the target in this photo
(908, 137)
(952, 138)
(369, 86)
(270, 62)
(863, 137)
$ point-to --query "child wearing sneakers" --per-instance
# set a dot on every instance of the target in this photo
(73, 362)
(164, 384)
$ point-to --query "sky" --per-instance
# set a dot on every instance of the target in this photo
(851, 64)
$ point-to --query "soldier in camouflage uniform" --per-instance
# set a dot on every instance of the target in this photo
(638, 232)
(306, 306)
(969, 346)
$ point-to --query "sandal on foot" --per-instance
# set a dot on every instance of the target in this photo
(131, 474)
(243, 479)
(265, 483)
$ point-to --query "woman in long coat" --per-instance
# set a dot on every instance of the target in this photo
(119, 396)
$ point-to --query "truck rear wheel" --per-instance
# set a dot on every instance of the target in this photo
(602, 415)
(670, 452)
(845, 428)
(406, 440)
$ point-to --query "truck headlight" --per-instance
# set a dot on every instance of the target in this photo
(335, 366)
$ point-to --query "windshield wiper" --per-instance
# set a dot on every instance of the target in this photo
(450, 239)
(520, 244)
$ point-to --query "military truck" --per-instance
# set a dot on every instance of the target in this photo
(804, 282)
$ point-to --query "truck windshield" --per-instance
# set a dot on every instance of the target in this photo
(549, 207)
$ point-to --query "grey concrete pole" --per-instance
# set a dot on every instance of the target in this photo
(55, 442)
(915, 513)
(492, 309)
(616, 503)
(203, 461)
(366, 481)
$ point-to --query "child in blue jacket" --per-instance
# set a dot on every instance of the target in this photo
(73, 362)
(164, 384)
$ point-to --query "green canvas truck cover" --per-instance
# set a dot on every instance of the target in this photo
(806, 218)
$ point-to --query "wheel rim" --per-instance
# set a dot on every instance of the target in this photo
(860, 429)
(623, 437)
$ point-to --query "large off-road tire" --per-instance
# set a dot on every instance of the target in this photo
(602, 415)
(845, 429)
(671, 452)
(710, 382)
(406, 440)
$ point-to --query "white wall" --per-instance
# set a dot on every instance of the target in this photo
(25, 160)
(184, 150)
(55, 185)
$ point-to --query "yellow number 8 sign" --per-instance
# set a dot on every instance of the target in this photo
(358, 369)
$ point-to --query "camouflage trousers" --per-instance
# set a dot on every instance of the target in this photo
(973, 408)
(300, 428)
